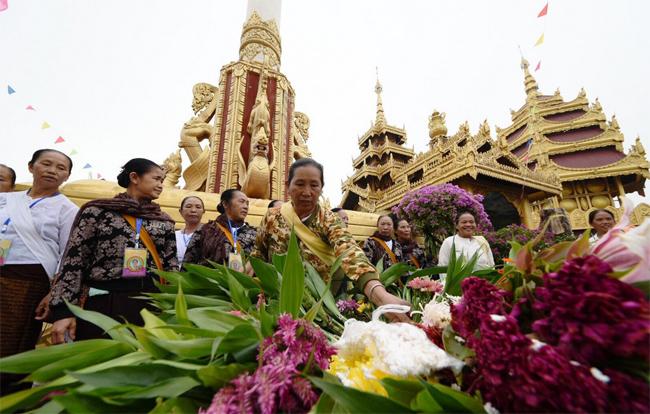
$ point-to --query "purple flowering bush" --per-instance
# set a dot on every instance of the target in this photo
(297, 348)
(433, 210)
(500, 240)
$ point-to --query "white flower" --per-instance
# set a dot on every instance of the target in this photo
(537, 345)
(599, 375)
(498, 318)
(490, 409)
(399, 349)
(436, 314)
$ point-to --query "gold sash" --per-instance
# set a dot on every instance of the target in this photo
(388, 251)
(324, 251)
(228, 235)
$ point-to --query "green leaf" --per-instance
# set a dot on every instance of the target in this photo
(267, 322)
(142, 375)
(315, 283)
(453, 347)
(402, 391)
(180, 405)
(267, 275)
(293, 280)
(78, 403)
(52, 407)
(425, 403)
(152, 323)
(324, 405)
(278, 261)
(169, 388)
(193, 301)
(239, 297)
(358, 401)
(181, 308)
(216, 376)
(453, 401)
(186, 348)
(393, 273)
(79, 360)
(214, 319)
(147, 344)
(240, 337)
(113, 328)
(30, 361)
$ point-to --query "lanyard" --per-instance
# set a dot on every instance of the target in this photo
(138, 227)
(5, 225)
(186, 239)
(233, 231)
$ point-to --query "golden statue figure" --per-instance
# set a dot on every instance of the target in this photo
(196, 130)
(257, 180)
(300, 133)
(437, 127)
(172, 167)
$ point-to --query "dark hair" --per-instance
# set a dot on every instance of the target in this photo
(37, 154)
(336, 209)
(396, 221)
(384, 215)
(592, 215)
(461, 212)
(306, 162)
(139, 166)
(226, 198)
(188, 197)
(12, 173)
(271, 204)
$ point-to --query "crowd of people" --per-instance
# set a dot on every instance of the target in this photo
(101, 256)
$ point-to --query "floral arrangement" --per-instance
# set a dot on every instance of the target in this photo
(433, 210)
(501, 240)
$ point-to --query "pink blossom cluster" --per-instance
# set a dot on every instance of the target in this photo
(424, 284)
(296, 348)
(347, 306)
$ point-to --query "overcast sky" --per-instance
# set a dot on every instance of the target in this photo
(114, 78)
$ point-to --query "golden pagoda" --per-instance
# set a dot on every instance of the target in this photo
(555, 154)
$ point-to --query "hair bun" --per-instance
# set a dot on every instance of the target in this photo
(220, 208)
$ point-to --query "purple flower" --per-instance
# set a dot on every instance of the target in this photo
(480, 299)
(591, 316)
(347, 306)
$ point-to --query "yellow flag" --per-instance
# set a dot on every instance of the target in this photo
(45, 125)
(540, 40)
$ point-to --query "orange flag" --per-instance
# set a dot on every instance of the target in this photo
(540, 40)
(59, 140)
(544, 11)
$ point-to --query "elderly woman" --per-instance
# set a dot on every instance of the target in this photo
(601, 221)
(224, 240)
(381, 246)
(412, 253)
(192, 210)
(466, 243)
(35, 225)
(7, 179)
(321, 234)
(113, 244)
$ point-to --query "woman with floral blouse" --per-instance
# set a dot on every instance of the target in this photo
(113, 246)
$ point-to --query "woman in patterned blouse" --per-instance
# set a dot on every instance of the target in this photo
(412, 253)
(382, 246)
(321, 235)
(215, 240)
(104, 232)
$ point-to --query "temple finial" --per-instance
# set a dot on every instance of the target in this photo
(380, 119)
(529, 81)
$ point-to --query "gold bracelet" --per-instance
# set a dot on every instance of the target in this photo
(372, 289)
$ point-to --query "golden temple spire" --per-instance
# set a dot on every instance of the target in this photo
(529, 81)
(380, 119)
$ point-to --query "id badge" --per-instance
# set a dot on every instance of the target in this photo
(5, 245)
(235, 262)
(135, 262)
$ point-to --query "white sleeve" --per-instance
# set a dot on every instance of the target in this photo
(445, 251)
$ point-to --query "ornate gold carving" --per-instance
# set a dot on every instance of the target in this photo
(172, 167)
(437, 127)
(300, 134)
(260, 41)
(204, 105)
(257, 180)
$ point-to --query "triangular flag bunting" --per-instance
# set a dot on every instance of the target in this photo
(539, 65)
(30, 108)
(544, 11)
(87, 166)
(10, 90)
(99, 176)
(540, 40)
(59, 140)
(4, 5)
(73, 152)
(45, 125)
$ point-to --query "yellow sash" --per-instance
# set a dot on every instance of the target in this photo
(228, 235)
(321, 249)
(388, 251)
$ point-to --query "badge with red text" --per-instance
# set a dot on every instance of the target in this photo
(5, 245)
(135, 262)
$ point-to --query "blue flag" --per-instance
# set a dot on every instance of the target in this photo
(10, 90)
(87, 166)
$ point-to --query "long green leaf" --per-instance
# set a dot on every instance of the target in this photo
(214, 319)
(30, 361)
(181, 308)
(109, 325)
(293, 280)
(453, 401)
(240, 337)
(216, 376)
(140, 375)
(393, 273)
(358, 401)
(79, 360)
(237, 293)
(267, 275)
(152, 324)
(193, 301)
(317, 286)
(172, 387)
(180, 405)
(187, 348)
(76, 403)
(402, 391)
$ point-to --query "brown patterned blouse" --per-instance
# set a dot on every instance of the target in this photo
(274, 234)
(95, 253)
(211, 243)
(375, 252)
